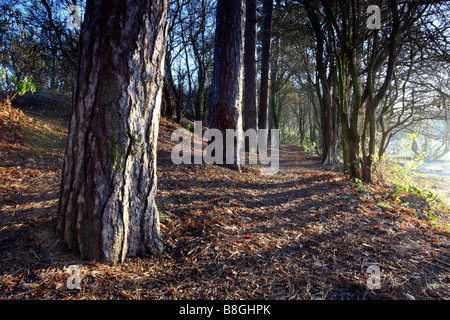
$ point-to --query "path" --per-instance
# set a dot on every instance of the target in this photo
(304, 233)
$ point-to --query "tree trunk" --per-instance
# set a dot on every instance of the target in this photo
(327, 130)
(226, 87)
(368, 159)
(250, 119)
(170, 99)
(107, 209)
(198, 50)
(274, 85)
(323, 89)
(374, 100)
(265, 64)
(179, 104)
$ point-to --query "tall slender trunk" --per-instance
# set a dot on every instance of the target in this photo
(265, 64)
(274, 84)
(179, 94)
(368, 158)
(201, 66)
(323, 89)
(107, 208)
(250, 116)
(227, 81)
(169, 90)
(375, 99)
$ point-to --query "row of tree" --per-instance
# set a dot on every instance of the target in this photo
(310, 68)
(355, 87)
(360, 73)
(297, 57)
(315, 70)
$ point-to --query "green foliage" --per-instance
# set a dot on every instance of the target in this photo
(188, 129)
(361, 189)
(308, 145)
(402, 172)
(24, 86)
(12, 86)
(162, 216)
(29, 46)
(427, 195)
(385, 205)
(159, 203)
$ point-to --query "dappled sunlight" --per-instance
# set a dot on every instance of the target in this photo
(121, 171)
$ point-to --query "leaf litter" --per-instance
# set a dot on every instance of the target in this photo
(304, 233)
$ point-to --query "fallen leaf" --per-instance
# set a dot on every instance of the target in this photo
(58, 285)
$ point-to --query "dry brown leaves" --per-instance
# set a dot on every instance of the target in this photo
(305, 233)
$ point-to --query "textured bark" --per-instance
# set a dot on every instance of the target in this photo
(226, 88)
(250, 115)
(107, 209)
(265, 64)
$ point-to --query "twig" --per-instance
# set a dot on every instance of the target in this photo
(35, 255)
(442, 262)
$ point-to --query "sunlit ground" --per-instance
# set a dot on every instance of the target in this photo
(439, 173)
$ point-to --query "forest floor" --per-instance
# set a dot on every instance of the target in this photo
(306, 232)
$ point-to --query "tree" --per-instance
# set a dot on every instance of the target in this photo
(226, 87)
(189, 61)
(250, 119)
(16, 49)
(265, 64)
(325, 66)
(60, 41)
(170, 96)
(416, 104)
(107, 209)
(39, 42)
(201, 43)
(366, 64)
(295, 87)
